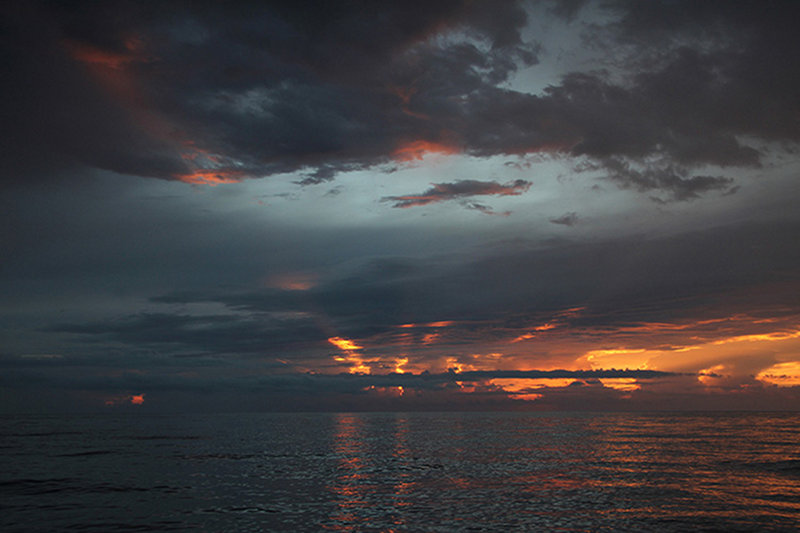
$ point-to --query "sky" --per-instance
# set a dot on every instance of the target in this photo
(358, 205)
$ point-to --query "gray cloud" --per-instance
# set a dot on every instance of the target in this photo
(619, 282)
(567, 219)
(339, 88)
(441, 192)
(145, 284)
(485, 209)
(670, 179)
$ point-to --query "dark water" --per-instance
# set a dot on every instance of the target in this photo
(401, 472)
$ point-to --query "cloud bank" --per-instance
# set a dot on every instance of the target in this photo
(215, 93)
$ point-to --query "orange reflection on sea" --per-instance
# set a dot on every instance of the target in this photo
(696, 453)
(348, 445)
(360, 480)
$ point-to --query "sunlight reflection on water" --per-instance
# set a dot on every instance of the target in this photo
(402, 472)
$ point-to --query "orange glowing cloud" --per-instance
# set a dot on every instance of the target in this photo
(451, 363)
(358, 365)
(619, 358)
(205, 167)
(399, 364)
(115, 71)
(721, 350)
(211, 177)
(417, 150)
(522, 389)
(111, 69)
(773, 336)
(440, 324)
(430, 338)
(528, 336)
(781, 374)
(521, 384)
(294, 281)
(621, 384)
(136, 399)
(709, 376)
(344, 344)
(91, 55)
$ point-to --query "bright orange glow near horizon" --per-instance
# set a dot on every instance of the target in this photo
(618, 358)
(440, 324)
(137, 399)
(781, 374)
(523, 389)
(621, 384)
(717, 352)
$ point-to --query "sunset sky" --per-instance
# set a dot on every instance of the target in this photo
(400, 205)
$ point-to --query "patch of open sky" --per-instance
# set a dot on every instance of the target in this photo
(563, 49)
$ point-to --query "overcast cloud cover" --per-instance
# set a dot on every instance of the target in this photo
(289, 205)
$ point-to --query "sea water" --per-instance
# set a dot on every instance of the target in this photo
(401, 472)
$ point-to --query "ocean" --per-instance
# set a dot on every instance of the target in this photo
(398, 472)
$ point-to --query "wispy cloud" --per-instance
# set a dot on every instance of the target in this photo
(567, 219)
(458, 190)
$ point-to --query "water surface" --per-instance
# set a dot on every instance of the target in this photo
(402, 472)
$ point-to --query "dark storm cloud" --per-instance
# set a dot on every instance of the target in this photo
(441, 192)
(215, 92)
(182, 90)
(493, 296)
(55, 117)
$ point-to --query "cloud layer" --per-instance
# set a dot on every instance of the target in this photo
(648, 151)
(210, 93)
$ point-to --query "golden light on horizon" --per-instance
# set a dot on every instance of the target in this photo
(621, 384)
(781, 374)
(525, 389)
(619, 358)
